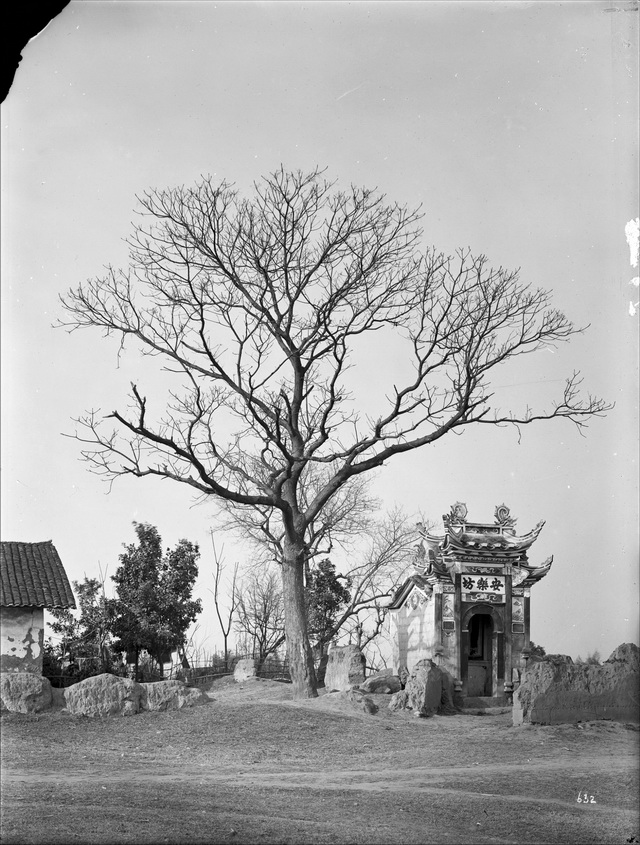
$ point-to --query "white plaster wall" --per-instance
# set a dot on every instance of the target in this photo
(413, 634)
(21, 639)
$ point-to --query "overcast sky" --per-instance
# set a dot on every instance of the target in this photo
(515, 126)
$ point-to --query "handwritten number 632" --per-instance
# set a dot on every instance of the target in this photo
(585, 798)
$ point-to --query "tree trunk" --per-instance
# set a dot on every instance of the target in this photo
(299, 653)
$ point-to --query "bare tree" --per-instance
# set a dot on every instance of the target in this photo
(225, 619)
(261, 613)
(258, 308)
(386, 559)
(343, 521)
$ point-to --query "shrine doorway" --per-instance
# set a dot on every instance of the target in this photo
(480, 655)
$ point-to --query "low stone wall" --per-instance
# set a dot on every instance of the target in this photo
(101, 695)
(558, 691)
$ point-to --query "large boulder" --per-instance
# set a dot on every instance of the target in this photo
(104, 695)
(382, 683)
(171, 695)
(354, 698)
(450, 701)
(557, 691)
(245, 669)
(345, 668)
(556, 659)
(424, 688)
(25, 692)
(428, 690)
(399, 700)
(628, 653)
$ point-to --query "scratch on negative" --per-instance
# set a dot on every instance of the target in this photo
(350, 91)
(632, 233)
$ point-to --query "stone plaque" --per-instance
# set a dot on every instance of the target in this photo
(489, 588)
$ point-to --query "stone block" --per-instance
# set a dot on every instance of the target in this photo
(345, 668)
(429, 690)
(424, 688)
(382, 683)
(355, 698)
(171, 695)
(399, 700)
(245, 669)
(450, 703)
(628, 653)
(25, 692)
(556, 692)
(104, 695)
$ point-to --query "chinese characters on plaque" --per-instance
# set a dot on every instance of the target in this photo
(489, 588)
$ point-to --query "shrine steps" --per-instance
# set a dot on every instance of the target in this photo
(481, 705)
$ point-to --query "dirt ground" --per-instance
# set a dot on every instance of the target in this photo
(256, 767)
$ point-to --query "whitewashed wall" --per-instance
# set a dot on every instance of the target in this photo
(22, 639)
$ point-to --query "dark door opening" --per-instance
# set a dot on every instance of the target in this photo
(479, 665)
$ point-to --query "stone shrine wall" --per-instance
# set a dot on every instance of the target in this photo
(558, 691)
(414, 635)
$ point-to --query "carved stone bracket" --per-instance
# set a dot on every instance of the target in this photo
(457, 514)
(502, 517)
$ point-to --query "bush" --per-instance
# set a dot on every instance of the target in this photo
(592, 659)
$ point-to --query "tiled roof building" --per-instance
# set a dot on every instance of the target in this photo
(32, 578)
(32, 575)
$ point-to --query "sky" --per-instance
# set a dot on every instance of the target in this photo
(514, 125)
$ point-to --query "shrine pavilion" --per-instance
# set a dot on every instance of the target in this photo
(467, 605)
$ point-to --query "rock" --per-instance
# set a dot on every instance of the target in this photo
(429, 690)
(626, 653)
(244, 670)
(404, 674)
(556, 692)
(450, 702)
(25, 692)
(424, 688)
(360, 701)
(556, 658)
(399, 700)
(104, 695)
(345, 668)
(382, 683)
(171, 695)
(353, 697)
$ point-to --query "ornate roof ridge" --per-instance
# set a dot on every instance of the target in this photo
(460, 533)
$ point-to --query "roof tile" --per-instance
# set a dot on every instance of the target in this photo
(32, 575)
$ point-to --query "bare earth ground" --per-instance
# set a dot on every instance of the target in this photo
(256, 767)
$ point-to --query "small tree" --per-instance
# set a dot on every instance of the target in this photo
(536, 652)
(260, 614)
(225, 617)
(86, 632)
(327, 594)
(154, 608)
(592, 659)
(258, 309)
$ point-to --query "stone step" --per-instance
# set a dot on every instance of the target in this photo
(485, 711)
(482, 702)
